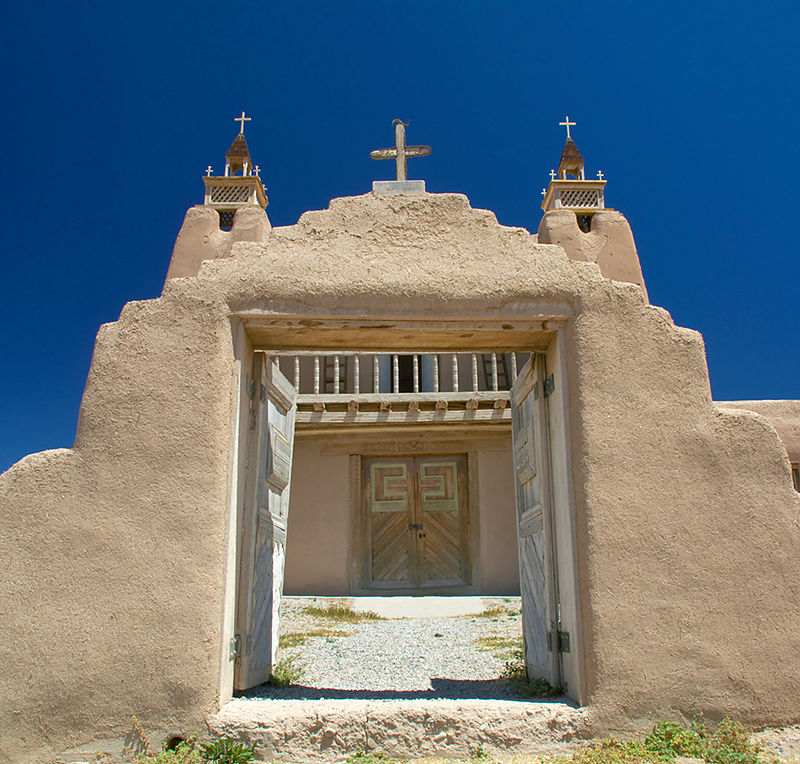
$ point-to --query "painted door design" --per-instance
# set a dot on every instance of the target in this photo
(264, 517)
(417, 522)
(534, 521)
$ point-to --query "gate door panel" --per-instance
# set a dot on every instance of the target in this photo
(534, 522)
(265, 514)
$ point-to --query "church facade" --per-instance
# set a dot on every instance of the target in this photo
(365, 403)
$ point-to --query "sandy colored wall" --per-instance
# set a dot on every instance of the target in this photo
(319, 533)
(319, 545)
(114, 551)
(609, 243)
(498, 521)
(113, 598)
(784, 416)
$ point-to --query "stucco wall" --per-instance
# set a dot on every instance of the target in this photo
(784, 416)
(688, 559)
(498, 518)
(319, 534)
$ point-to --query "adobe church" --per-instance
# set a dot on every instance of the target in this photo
(398, 395)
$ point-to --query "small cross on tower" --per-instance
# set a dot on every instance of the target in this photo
(600, 175)
(244, 119)
(400, 152)
(208, 171)
(568, 124)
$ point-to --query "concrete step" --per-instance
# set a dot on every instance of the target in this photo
(331, 730)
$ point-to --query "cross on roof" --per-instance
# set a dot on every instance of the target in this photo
(400, 152)
(208, 171)
(552, 174)
(568, 124)
(242, 119)
(257, 170)
(600, 175)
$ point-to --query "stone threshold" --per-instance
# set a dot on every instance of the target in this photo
(330, 730)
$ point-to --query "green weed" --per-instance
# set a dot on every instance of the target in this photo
(369, 757)
(519, 683)
(478, 754)
(285, 672)
(341, 613)
(502, 647)
(227, 751)
(298, 638)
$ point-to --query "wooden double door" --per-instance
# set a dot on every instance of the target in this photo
(416, 512)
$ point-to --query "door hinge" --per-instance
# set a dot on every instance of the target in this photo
(549, 386)
(251, 387)
(233, 651)
(558, 641)
(536, 391)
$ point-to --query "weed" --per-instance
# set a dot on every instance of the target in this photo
(726, 743)
(478, 754)
(341, 612)
(517, 678)
(285, 672)
(369, 757)
(183, 753)
(502, 647)
(496, 611)
(297, 638)
(227, 751)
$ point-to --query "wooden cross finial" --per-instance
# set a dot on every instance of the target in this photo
(568, 124)
(209, 171)
(400, 152)
(552, 174)
(600, 175)
(244, 119)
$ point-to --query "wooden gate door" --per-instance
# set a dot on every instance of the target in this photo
(266, 510)
(535, 521)
(417, 522)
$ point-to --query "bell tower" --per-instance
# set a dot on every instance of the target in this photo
(569, 188)
(239, 186)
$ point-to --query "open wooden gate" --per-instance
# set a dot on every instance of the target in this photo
(535, 523)
(264, 518)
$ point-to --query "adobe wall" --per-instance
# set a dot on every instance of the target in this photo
(688, 546)
(784, 416)
(320, 540)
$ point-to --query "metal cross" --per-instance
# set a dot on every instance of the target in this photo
(543, 192)
(400, 152)
(568, 124)
(552, 174)
(244, 119)
(208, 171)
(256, 171)
(600, 175)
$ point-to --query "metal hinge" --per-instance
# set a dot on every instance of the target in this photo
(536, 391)
(549, 386)
(558, 641)
(251, 387)
(233, 652)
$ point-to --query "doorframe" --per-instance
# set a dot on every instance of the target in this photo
(541, 325)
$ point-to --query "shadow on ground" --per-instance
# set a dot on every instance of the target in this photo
(441, 689)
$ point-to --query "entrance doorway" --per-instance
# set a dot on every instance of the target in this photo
(417, 522)
(415, 510)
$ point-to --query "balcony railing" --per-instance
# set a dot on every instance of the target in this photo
(409, 386)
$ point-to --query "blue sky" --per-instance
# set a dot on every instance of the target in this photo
(112, 112)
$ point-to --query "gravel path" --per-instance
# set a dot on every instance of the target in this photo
(460, 656)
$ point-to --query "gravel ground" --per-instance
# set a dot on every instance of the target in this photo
(456, 657)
